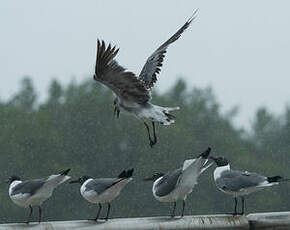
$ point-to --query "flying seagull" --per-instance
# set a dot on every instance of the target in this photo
(178, 184)
(103, 190)
(240, 183)
(133, 93)
(34, 192)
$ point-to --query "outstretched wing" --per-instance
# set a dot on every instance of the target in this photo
(123, 83)
(154, 62)
(192, 169)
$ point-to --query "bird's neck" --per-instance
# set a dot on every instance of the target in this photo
(219, 170)
(13, 184)
(155, 183)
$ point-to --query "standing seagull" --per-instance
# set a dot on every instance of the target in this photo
(133, 94)
(239, 183)
(177, 184)
(103, 190)
(32, 193)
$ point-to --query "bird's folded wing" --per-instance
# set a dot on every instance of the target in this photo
(154, 62)
(234, 180)
(28, 187)
(168, 183)
(123, 83)
(101, 185)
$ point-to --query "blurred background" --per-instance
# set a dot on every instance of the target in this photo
(228, 72)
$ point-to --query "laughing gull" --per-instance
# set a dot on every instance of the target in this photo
(239, 183)
(103, 190)
(178, 184)
(32, 193)
(133, 93)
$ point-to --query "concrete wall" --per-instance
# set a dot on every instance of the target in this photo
(265, 221)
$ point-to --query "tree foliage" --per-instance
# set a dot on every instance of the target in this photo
(75, 127)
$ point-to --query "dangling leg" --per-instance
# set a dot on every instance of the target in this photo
(236, 204)
(243, 206)
(39, 214)
(149, 136)
(183, 205)
(108, 212)
(173, 211)
(30, 214)
(154, 133)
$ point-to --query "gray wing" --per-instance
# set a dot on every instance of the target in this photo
(123, 83)
(234, 180)
(101, 185)
(29, 187)
(168, 182)
(154, 62)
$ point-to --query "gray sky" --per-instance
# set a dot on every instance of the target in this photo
(240, 48)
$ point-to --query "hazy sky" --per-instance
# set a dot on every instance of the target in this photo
(240, 48)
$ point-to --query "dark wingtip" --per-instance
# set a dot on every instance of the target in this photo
(193, 16)
(64, 172)
(274, 179)
(126, 174)
(130, 172)
(206, 153)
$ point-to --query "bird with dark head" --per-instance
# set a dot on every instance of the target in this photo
(220, 161)
(31, 193)
(11, 179)
(103, 190)
(154, 177)
(178, 184)
(240, 183)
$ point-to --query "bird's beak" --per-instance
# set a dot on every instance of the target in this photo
(74, 181)
(148, 179)
(213, 158)
(7, 181)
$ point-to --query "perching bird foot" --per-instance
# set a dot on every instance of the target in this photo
(93, 219)
(104, 218)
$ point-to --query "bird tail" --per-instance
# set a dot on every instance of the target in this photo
(57, 179)
(277, 179)
(126, 174)
(64, 172)
(169, 117)
(206, 153)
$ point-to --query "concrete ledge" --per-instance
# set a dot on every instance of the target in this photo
(269, 220)
(265, 221)
(146, 223)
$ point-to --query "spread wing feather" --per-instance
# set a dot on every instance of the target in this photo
(154, 62)
(123, 83)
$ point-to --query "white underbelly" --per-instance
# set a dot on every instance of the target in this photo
(242, 192)
(179, 193)
(25, 200)
(108, 195)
